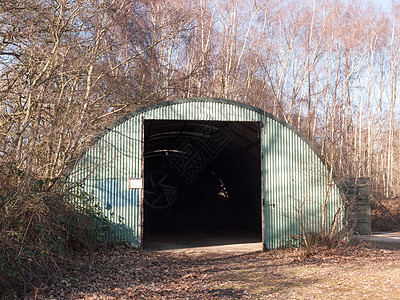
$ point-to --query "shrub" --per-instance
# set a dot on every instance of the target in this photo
(40, 225)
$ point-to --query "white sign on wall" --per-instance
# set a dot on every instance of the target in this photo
(135, 183)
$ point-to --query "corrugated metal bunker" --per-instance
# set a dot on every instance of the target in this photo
(209, 165)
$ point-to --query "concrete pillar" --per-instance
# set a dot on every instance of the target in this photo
(358, 205)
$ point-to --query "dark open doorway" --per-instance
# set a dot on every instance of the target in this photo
(202, 181)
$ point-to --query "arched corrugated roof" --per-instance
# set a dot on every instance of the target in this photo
(293, 175)
(144, 110)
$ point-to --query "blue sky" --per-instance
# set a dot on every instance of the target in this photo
(384, 4)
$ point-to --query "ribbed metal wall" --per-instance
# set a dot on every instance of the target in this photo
(294, 179)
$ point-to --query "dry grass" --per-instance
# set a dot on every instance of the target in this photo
(123, 273)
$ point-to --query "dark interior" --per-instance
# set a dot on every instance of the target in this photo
(202, 177)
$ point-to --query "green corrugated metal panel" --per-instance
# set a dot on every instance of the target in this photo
(293, 183)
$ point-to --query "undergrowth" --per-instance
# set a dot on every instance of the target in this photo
(39, 227)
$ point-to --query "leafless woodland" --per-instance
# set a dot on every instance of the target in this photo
(330, 69)
(68, 68)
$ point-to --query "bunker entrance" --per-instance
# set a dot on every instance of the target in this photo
(202, 180)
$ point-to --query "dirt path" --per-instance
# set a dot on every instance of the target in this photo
(383, 240)
(123, 273)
